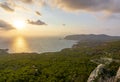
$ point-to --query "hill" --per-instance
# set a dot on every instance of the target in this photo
(92, 37)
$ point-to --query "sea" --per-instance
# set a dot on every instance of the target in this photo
(38, 45)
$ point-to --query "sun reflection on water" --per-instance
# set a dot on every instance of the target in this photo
(20, 45)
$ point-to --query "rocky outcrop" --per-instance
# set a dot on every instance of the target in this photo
(117, 78)
(95, 73)
(103, 74)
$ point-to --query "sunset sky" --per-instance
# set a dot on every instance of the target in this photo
(59, 17)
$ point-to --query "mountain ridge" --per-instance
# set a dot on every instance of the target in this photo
(92, 37)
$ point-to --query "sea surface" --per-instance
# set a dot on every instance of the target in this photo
(39, 45)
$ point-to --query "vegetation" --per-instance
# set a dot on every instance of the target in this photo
(68, 65)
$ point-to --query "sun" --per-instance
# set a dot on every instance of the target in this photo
(19, 24)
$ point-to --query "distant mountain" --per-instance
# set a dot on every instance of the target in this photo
(92, 37)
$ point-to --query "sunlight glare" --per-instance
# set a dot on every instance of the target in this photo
(19, 24)
(20, 45)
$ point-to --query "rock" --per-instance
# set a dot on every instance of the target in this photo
(101, 73)
(95, 73)
(117, 78)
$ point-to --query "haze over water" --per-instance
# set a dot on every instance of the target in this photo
(21, 44)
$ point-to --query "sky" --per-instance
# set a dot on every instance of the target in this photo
(59, 17)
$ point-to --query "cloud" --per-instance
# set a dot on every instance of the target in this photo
(111, 6)
(11, 5)
(27, 1)
(38, 13)
(88, 5)
(5, 26)
(38, 22)
(114, 17)
(6, 7)
(64, 24)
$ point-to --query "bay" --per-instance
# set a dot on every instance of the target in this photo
(39, 45)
